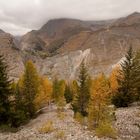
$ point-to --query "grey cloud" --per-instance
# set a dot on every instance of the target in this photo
(20, 16)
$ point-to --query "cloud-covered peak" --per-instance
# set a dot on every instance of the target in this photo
(20, 16)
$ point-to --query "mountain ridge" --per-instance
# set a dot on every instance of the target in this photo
(59, 48)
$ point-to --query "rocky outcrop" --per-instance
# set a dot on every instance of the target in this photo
(31, 42)
(12, 55)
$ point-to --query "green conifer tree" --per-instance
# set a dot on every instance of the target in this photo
(18, 114)
(81, 101)
(68, 94)
(136, 76)
(126, 81)
(5, 92)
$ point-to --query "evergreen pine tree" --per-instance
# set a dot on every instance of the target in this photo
(81, 101)
(136, 76)
(68, 94)
(18, 114)
(126, 81)
(5, 92)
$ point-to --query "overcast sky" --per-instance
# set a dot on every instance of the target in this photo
(20, 16)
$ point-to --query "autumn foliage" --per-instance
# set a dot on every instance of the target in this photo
(44, 95)
(113, 79)
(91, 99)
(99, 100)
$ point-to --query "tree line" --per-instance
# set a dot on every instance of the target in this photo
(91, 98)
(19, 101)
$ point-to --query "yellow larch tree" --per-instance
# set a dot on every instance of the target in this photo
(30, 87)
(99, 100)
(44, 96)
(113, 79)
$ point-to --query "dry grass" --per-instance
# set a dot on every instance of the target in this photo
(79, 118)
(61, 115)
(105, 130)
(47, 127)
(60, 134)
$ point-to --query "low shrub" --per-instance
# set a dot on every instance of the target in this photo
(61, 115)
(6, 128)
(79, 118)
(47, 127)
(105, 129)
(60, 134)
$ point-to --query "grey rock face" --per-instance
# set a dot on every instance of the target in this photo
(12, 55)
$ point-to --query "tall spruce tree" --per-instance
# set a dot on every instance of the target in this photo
(82, 98)
(5, 92)
(136, 76)
(126, 81)
(18, 114)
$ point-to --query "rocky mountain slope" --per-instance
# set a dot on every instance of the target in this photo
(9, 48)
(60, 45)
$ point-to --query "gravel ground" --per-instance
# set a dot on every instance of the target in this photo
(127, 124)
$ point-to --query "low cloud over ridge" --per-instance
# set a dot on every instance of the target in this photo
(21, 16)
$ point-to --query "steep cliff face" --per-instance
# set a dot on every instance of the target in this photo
(66, 65)
(59, 47)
